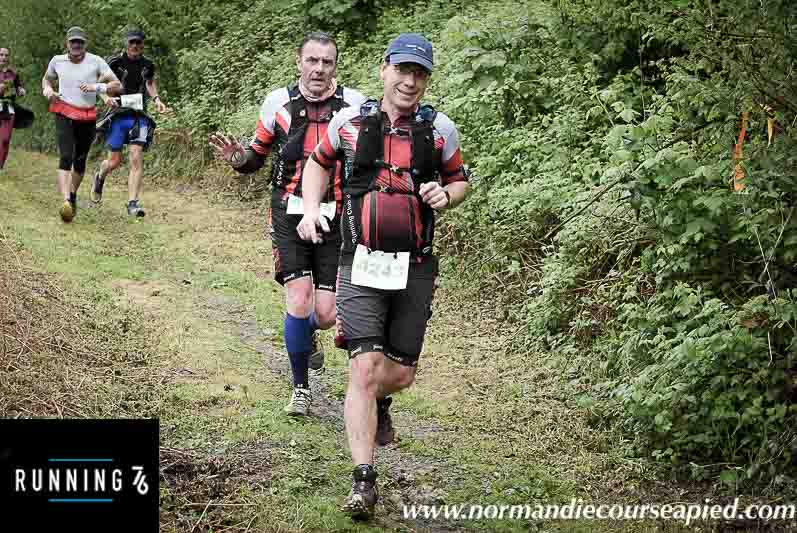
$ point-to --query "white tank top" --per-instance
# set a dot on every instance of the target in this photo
(72, 75)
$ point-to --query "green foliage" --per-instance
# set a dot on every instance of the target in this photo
(691, 374)
(643, 112)
(702, 379)
(342, 15)
(601, 219)
(503, 64)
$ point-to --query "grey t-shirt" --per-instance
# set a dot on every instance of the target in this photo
(72, 75)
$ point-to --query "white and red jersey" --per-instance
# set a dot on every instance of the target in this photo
(274, 132)
(389, 220)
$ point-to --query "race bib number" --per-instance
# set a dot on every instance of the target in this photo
(380, 270)
(296, 207)
(133, 101)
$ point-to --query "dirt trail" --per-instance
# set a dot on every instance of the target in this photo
(398, 469)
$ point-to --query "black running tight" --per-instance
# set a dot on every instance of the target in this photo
(74, 139)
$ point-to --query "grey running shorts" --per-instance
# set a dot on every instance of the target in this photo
(391, 322)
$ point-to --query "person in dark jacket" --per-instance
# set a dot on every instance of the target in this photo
(127, 122)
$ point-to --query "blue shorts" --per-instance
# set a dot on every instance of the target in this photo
(123, 131)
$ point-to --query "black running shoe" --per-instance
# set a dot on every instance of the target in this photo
(134, 210)
(384, 423)
(73, 201)
(362, 499)
(96, 188)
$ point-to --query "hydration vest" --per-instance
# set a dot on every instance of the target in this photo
(291, 151)
(361, 178)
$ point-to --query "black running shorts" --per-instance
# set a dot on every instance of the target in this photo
(391, 322)
(295, 258)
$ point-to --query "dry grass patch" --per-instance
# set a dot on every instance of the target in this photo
(65, 355)
(215, 491)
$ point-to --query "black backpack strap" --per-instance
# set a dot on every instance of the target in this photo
(425, 158)
(337, 101)
(293, 149)
(370, 148)
(425, 168)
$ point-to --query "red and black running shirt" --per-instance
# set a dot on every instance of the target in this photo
(391, 221)
(274, 126)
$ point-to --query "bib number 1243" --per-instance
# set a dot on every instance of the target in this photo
(380, 270)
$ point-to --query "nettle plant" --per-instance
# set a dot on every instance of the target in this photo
(706, 381)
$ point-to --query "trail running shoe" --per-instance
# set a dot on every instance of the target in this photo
(96, 188)
(134, 210)
(384, 423)
(317, 355)
(67, 211)
(300, 402)
(362, 499)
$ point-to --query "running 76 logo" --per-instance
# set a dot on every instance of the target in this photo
(140, 481)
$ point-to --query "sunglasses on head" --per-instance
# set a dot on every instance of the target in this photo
(135, 41)
(77, 41)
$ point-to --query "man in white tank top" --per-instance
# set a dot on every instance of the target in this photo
(81, 77)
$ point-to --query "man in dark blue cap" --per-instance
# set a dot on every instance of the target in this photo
(127, 123)
(404, 167)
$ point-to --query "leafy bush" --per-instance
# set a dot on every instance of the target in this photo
(703, 380)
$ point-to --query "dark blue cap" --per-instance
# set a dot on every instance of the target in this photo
(410, 48)
(133, 34)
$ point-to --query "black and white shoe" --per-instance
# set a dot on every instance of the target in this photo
(96, 188)
(135, 210)
(362, 499)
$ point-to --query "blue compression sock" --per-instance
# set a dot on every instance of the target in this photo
(298, 341)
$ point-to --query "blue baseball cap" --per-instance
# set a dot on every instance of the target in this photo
(410, 48)
(134, 34)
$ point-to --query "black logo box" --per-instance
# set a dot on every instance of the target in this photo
(75, 453)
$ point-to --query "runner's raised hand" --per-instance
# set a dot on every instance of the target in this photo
(228, 149)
